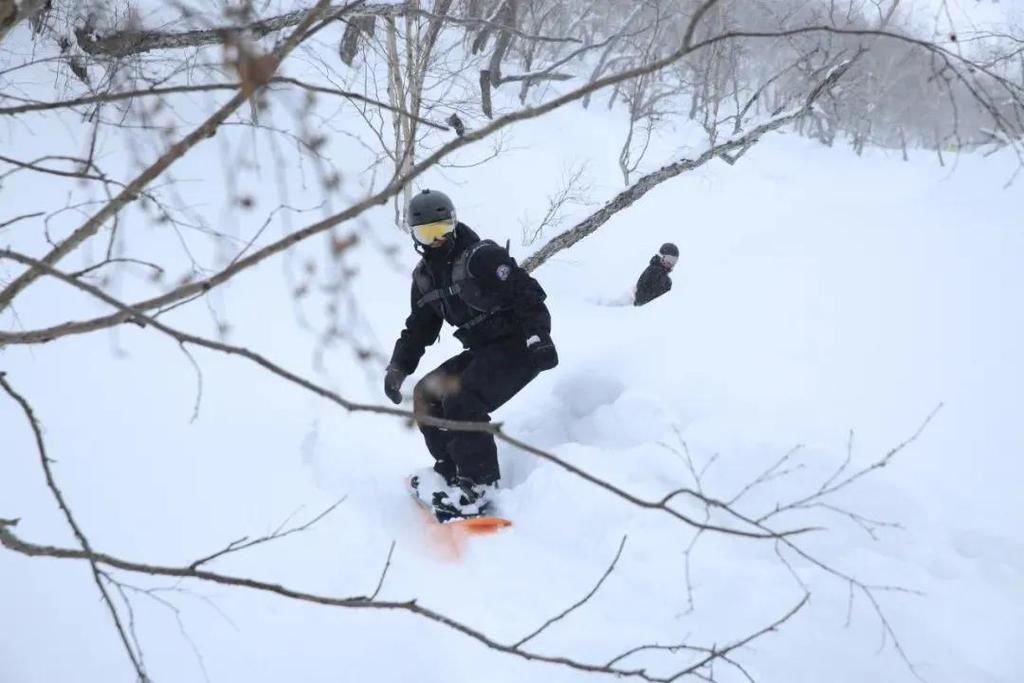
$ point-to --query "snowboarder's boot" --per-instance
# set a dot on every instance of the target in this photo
(425, 482)
(464, 500)
(457, 498)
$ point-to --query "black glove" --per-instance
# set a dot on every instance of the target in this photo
(393, 379)
(542, 351)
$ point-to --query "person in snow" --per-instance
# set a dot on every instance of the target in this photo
(500, 317)
(654, 281)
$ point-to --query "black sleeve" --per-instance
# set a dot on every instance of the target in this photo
(498, 272)
(653, 283)
(643, 287)
(421, 330)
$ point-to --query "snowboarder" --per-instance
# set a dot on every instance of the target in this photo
(654, 281)
(505, 328)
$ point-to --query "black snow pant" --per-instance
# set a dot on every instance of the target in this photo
(468, 387)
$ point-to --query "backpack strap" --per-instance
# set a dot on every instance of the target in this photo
(436, 294)
(460, 274)
(475, 320)
(460, 270)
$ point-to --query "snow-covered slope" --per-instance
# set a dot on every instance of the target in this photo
(817, 293)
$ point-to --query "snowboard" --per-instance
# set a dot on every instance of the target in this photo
(485, 522)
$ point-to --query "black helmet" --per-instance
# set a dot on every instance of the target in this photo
(430, 206)
(669, 249)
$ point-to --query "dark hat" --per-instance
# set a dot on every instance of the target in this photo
(669, 249)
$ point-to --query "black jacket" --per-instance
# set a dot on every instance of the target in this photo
(522, 311)
(653, 282)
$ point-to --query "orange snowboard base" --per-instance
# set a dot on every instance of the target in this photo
(471, 525)
(447, 537)
(479, 525)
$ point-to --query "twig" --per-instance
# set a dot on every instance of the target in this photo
(244, 542)
(718, 654)
(199, 381)
(131, 614)
(580, 602)
(769, 474)
(645, 648)
(151, 594)
(383, 573)
(867, 524)
(842, 467)
(106, 98)
(34, 166)
(136, 658)
(22, 217)
(266, 224)
(106, 262)
(830, 487)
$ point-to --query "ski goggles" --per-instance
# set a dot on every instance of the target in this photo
(428, 233)
(669, 260)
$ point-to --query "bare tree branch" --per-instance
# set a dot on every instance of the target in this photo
(135, 656)
(383, 573)
(772, 472)
(399, 182)
(176, 151)
(106, 262)
(34, 166)
(392, 189)
(22, 217)
(579, 603)
(691, 29)
(641, 187)
(151, 593)
(13, 542)
(280, 532)
(133, 42)
(573, 193)
(488, 427)
(718, 654)
(831, 486)
(105, 98)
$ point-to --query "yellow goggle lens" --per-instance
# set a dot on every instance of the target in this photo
(428, 233)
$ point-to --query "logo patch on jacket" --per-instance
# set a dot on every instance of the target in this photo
(503, 272)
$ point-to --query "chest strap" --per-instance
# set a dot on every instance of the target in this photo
(439, 293)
